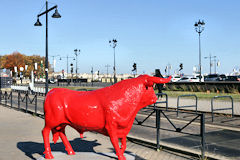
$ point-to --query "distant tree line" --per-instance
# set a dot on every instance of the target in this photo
(18, 60)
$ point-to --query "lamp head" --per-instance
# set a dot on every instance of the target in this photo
(38, 23)
(56, 14)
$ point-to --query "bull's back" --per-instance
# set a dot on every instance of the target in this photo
(80, 109)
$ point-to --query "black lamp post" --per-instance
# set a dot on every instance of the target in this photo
(76, 52)
(199, 27)
(113, 43)
(38, 23)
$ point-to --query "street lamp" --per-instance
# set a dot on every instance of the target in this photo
(67, 61)
(210, 62)
(199, 27)
(54, 61)
(76, 52)
(113, 43)
(107, 68)
(38, 23)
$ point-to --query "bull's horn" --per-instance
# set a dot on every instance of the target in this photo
(160, 80)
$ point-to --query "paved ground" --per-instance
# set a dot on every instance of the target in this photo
(20, 138)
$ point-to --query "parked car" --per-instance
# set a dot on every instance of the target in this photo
(175, 78)
(52, 80)
(222, 77)
(232, 78)
(238, 77)
(212, 77)
(189, 79)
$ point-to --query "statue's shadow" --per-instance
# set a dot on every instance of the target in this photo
(78, 145)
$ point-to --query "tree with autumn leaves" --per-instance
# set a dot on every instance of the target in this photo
(20, 60)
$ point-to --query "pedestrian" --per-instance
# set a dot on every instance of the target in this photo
(159, 86)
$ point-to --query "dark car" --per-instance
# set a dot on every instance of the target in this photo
(222, 77)
(212, 77)
(238, 77)
(232, 78)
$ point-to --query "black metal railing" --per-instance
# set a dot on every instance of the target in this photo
(220, 109)
(150, 109)
(178, 129)
(25, 98)
(187, 106)
(162, 102)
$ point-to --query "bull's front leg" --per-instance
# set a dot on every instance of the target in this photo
(112, 132)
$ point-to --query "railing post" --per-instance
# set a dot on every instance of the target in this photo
(19, 100)
(177, 105)
(203, 135)
(26, 98)
(11, 100)
(158, 128)
(212, 108)
(232, 107)
(166, 101)
(196, 102)
(0, 97)
(5, 94)
(36, 103)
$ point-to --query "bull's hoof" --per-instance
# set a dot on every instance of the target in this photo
(48, 155)
(70, 152)
(81, 135)
(122, 157)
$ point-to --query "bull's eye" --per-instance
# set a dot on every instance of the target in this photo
(146, 87)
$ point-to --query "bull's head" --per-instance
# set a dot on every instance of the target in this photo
(149, 97)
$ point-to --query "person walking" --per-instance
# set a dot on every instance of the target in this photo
(159, 86)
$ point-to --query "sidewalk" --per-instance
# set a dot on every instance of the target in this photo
(20, 138)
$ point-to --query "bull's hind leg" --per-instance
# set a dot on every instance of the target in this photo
(47, 152)
(65, 141)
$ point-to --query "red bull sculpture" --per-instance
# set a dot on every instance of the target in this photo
(110, 111)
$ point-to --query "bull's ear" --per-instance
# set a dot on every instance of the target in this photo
(159, 80)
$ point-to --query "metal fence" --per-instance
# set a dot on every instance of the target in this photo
(161, 111)
(213, 108)
(187, 106)
(179, 130)
(162, 102)
(22, 101)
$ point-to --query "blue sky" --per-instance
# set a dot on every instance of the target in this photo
(151, 33)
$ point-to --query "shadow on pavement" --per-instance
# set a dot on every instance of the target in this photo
(79, 145)
(130, 153)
